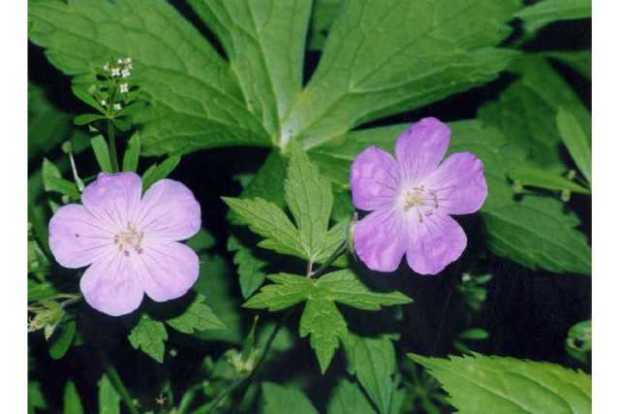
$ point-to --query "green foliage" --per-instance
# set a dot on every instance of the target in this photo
(109, 400)
(309, 198)
(546, 11)
(197, 317)
(53, 181)
(579, 341)
(529, 175)
(195, 101)
(132, 153)
(72, 403)
(373, 361)
(249, 267)
(47, 126)
(510, 385)
(36, 401)
(579, 60)
(576, 140)
(324, 12)
(150, 337)
(61, 340)
(346, 398)
(159, 171)
(102, 153)
(321, 318)
(278, 399)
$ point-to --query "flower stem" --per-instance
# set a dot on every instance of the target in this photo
(342, 248)
(112, 145)
(117, 383)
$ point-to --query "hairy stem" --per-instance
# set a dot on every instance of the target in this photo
(342, 248)
(112, 145)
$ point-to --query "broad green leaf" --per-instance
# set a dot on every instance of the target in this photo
(525, 112)
(203, 240)
(310, 199)
(278, 399)
(546, 11)
(529, 175)
(40, 290)
(109, 400)
(53, 181)
(269, 221)
(386, 57)
(324, 323)
(576, 140)
(150, 337)
(61, 340)
(195, 100)
(265, 44)
(72, 403)
(36, 401)
(268, 183)
(373, 360)
(479, 384)
(579, 60)
(47, 125)
(197, 317)
(347, 398)
(86, 119)
(249, 267)
(159, 171)
(286, 291)
(537, 232)
(346, 288)
(132, 153)
(324, 12)
(102, 153)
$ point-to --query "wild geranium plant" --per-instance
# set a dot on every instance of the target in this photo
(334, 243)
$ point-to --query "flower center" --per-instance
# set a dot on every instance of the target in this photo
(424, 201)
(130, 239)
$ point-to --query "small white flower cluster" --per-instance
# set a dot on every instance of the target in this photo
(121, 69)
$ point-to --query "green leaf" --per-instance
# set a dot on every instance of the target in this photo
(576, 140)
(150, 337)
(195, 100)
(36, 401)
(197, 317)
(102, 153)
(544, 12)
(347, 398)
(324, 12)
(579, 60)
(53, 181)
(249, 267)
(373, 360)
(321, 318)
(324, 323)
(72, 403)
(40, 290)
(286, 291)
(278, 399)
(387, 57)
(474, 334)
(309, 197)
(526, 112)
(62, 339)
(47, 125)
(528, 175)
(480, 383)
(203, 240)
(132, 153)
(109, 400)
(269, 221)
(346, 288)
(85, 119)
(159, 171)
(265, 44)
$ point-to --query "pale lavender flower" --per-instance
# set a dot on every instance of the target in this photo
(412, 198)
(130, 242)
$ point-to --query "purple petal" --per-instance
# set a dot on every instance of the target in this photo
(167, 271)
(380, 240)
(110, 285)
(114, 198)
(420, 149)
(169, 211)
(77, 238)
(434, 244)
(374, 179)
(460, 184)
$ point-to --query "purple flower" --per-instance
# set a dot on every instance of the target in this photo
(129, 241)
(412, 198)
